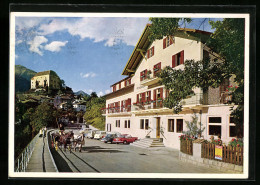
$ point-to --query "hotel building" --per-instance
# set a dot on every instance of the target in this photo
(135, 105)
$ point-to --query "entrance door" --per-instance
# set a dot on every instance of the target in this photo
(158, 126)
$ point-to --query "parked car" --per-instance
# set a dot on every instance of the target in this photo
(99, 134)
(125, 139)
(109, 138)
(91, 134)
(85, 131)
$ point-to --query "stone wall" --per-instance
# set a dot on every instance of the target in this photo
(197, 160)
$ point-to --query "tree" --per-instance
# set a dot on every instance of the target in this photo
(93, 95)
(42, 117)
(93, 114)
(228, 42)
(165, 27)
(194, 129)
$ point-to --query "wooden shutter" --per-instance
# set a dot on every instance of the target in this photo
(173, 61)
(129, 81)
(161, 93)
(120, 85)
(159, 65)
(182, 57)
(164, 43)
(141, 75)
(143, 97)
(137, 98)
(148, 53)
(145, 74)
(149, 95)
(153, 51)
(171, 40)
(154, 95)
(125, 83)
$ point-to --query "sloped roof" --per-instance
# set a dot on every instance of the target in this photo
(143, 44)
(50, 72)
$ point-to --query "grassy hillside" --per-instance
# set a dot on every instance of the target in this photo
(23, 77)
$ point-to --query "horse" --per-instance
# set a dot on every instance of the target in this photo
(78, 141)
(63, 139)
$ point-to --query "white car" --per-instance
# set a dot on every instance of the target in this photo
(85, 131)
(91, 134)
(99, 134)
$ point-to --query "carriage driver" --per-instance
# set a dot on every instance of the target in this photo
(80, 141)
(61, 127)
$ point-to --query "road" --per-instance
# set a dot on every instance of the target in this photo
(97, 157)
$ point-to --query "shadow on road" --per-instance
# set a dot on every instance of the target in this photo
(98, 149)
(60, 162)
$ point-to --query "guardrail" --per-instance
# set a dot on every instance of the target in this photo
(23, 159)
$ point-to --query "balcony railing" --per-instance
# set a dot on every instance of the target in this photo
(196, 99)
(113, 110)
(157, 104)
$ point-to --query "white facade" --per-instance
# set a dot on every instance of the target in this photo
(156, 117)
(79, 107)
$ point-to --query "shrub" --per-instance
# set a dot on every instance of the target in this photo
(236, 142)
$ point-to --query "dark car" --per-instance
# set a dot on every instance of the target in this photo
(109, 138)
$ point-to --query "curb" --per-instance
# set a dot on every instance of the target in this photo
(54, 164)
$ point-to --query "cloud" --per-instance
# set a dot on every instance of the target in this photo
(19, 42)
(100, 93)
(28, 22)
(86, 75)
(110, 30)
(36, 44)
(55, 46)
(107, 91)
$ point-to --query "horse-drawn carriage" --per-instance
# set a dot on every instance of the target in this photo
(67, 140)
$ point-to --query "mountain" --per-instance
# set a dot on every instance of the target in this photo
(81, 92)
(23, 77)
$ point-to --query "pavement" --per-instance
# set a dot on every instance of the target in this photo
(99, 157)
(41, 160)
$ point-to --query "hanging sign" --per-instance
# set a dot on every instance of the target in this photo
(218, 152)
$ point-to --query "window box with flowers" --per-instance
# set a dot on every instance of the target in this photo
(186, 144)
(159, 99)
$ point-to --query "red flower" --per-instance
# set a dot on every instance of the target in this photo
(233, 139)
(238, 145)
(236, 87)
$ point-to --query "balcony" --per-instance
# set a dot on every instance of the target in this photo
(196, 99)
(149, 105)
(150, 80)
(116, 110)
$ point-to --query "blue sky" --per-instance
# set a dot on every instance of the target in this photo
(88, 53)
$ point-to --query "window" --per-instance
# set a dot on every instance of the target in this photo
(179, 125)
(125, 123)
(232, 127)
(141, 123)
(156, 69)
(170, 125)
(232, 131)
(168, 41)
(143, 75)
(214, 119)
(127, 82)
(215, 130)
(146, 124)
(178, 59)
(114, 88)
(128, 123)
(117, 123)
(150, 52)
